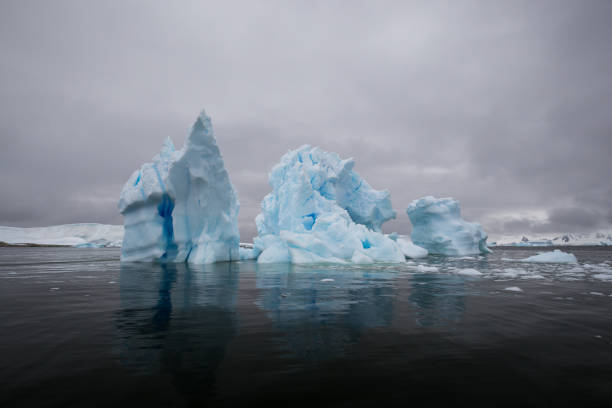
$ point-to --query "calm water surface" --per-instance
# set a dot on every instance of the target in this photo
(80, 329)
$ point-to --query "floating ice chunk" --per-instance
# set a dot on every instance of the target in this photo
(596, 294)
(438, 227)
(603, 269)
(513, 289)
(182, 206)
(327, 280)
(423, 268)
(603, 276)
(411, 250)
(469, 272)
(320, 210)
(533, 276)
(555, 256)
(512, 273)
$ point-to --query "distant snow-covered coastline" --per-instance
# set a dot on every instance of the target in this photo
(599, 238)
(91, 235)
(85, 235)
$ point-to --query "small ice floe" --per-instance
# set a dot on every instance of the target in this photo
(112, 282)
(533, 276)
(513, 289)
(423, 268)
(465, 258)
(603, 276)
(555, 256)
(600, 268)
(598, 336)
(327, 280)
(469, 272)
(512, 273)
(596, 294)
(53, 288)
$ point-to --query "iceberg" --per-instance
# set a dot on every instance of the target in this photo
(555, 256)
(320, 210)
(85, 235)
(182, 207)
(438, 227)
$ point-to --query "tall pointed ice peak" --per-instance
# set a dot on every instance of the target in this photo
(168, 146)
(182, 206)
(165, 154)
(201, 132)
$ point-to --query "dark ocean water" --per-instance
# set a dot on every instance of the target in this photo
(77, 328)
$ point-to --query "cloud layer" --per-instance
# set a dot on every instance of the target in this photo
(503, 105)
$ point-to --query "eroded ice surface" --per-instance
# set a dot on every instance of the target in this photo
(410, 249)
(320, 210)
(182, 206)
(438, 227)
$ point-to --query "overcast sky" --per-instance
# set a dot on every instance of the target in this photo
(506, 106)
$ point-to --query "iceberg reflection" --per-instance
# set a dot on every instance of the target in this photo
(439, 299)
(323, 309)
(177, 319)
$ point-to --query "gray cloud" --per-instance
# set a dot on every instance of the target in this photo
(503, 105)
(575, 218)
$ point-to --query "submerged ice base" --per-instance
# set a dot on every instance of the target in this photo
(438, 227)
(320, 210)
(182, 206)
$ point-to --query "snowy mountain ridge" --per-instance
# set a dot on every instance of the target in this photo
(85, 235)
(598, 238)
